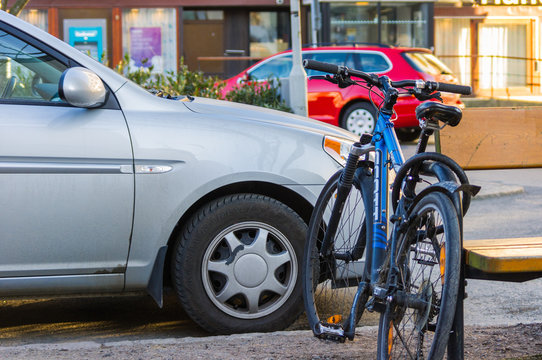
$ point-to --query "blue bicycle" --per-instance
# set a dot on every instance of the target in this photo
(389, 245)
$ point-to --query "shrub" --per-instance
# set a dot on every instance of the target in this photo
(259, 94)
(195, 83)
(182, 82)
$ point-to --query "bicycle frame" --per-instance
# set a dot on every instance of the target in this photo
(387, 152)
(399, 220)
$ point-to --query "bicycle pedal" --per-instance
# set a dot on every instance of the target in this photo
(333, 332)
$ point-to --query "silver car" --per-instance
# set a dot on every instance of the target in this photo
(106, 188)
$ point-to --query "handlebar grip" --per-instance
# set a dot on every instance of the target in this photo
(452, 88)
(320, 66)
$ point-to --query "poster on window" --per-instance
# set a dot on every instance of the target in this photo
(145, 45)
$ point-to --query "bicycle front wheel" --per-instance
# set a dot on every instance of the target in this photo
(330, 280)
(419, 315)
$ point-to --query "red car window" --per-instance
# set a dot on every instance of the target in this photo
(279, 67)
(371, 62)
(427, 63)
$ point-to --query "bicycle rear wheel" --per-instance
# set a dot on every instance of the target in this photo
(419, 315)
(330, 281)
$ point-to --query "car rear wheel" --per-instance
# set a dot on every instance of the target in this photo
(359, 118)
(408, 133)
(236, 265)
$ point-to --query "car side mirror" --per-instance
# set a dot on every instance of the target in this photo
(82, 88)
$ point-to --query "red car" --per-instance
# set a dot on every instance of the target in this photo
(351, 108)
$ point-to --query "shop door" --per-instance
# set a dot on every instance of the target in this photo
(204, 39)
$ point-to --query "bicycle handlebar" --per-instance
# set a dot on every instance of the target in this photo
(339, 70)
(452, 88)
(372, 79)
(321, 66)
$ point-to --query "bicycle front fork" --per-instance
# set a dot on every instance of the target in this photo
(343, 190)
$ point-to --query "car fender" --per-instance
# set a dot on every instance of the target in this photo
(197, 153)
(153, 228)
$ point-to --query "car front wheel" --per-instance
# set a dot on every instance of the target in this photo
(236, 265)
(359, 118)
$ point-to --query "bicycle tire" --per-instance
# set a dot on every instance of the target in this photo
(407, 333)
(327, 291)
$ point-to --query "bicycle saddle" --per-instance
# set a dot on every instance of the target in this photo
(448, 114)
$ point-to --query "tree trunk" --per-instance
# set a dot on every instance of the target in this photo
(17, 7)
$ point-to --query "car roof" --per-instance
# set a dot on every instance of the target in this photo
(385, 49)
(357, 47)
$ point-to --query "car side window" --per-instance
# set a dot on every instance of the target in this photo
(280, 67)
(371, 62)
(27, 73)
(338, 58)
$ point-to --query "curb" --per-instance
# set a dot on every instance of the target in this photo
(96, 345)
(494, 190)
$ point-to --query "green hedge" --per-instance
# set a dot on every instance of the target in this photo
(195, 83)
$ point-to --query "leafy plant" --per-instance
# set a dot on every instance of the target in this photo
(260, 94)
(195, 83)
(182, 82)
(15, 8)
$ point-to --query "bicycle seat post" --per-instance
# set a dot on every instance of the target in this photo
(424, 139)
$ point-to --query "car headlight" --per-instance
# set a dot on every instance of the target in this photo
(338, 148)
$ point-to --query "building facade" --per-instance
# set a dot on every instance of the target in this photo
(220, 37)
(492, 44)
(160, 32)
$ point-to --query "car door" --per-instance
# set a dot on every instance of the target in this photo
(66, 178)
(325, 99)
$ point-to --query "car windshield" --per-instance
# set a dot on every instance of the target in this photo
(427, 63)
(278, 67)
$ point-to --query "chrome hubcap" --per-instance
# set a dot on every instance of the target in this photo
(249, 270)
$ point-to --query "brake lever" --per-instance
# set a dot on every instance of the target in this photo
(341, 80)
(422, 96)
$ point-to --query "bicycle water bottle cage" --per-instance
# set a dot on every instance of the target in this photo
(433, 111)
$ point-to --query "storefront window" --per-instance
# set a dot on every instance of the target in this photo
(452, 45)
(149, 37)
(354, 23)
(400, 23)
(502, 54)
(269, 33)
(203, 15)
(35, 17)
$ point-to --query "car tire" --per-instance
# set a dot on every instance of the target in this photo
(236, 265)
(359, 118)
(408, 134)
